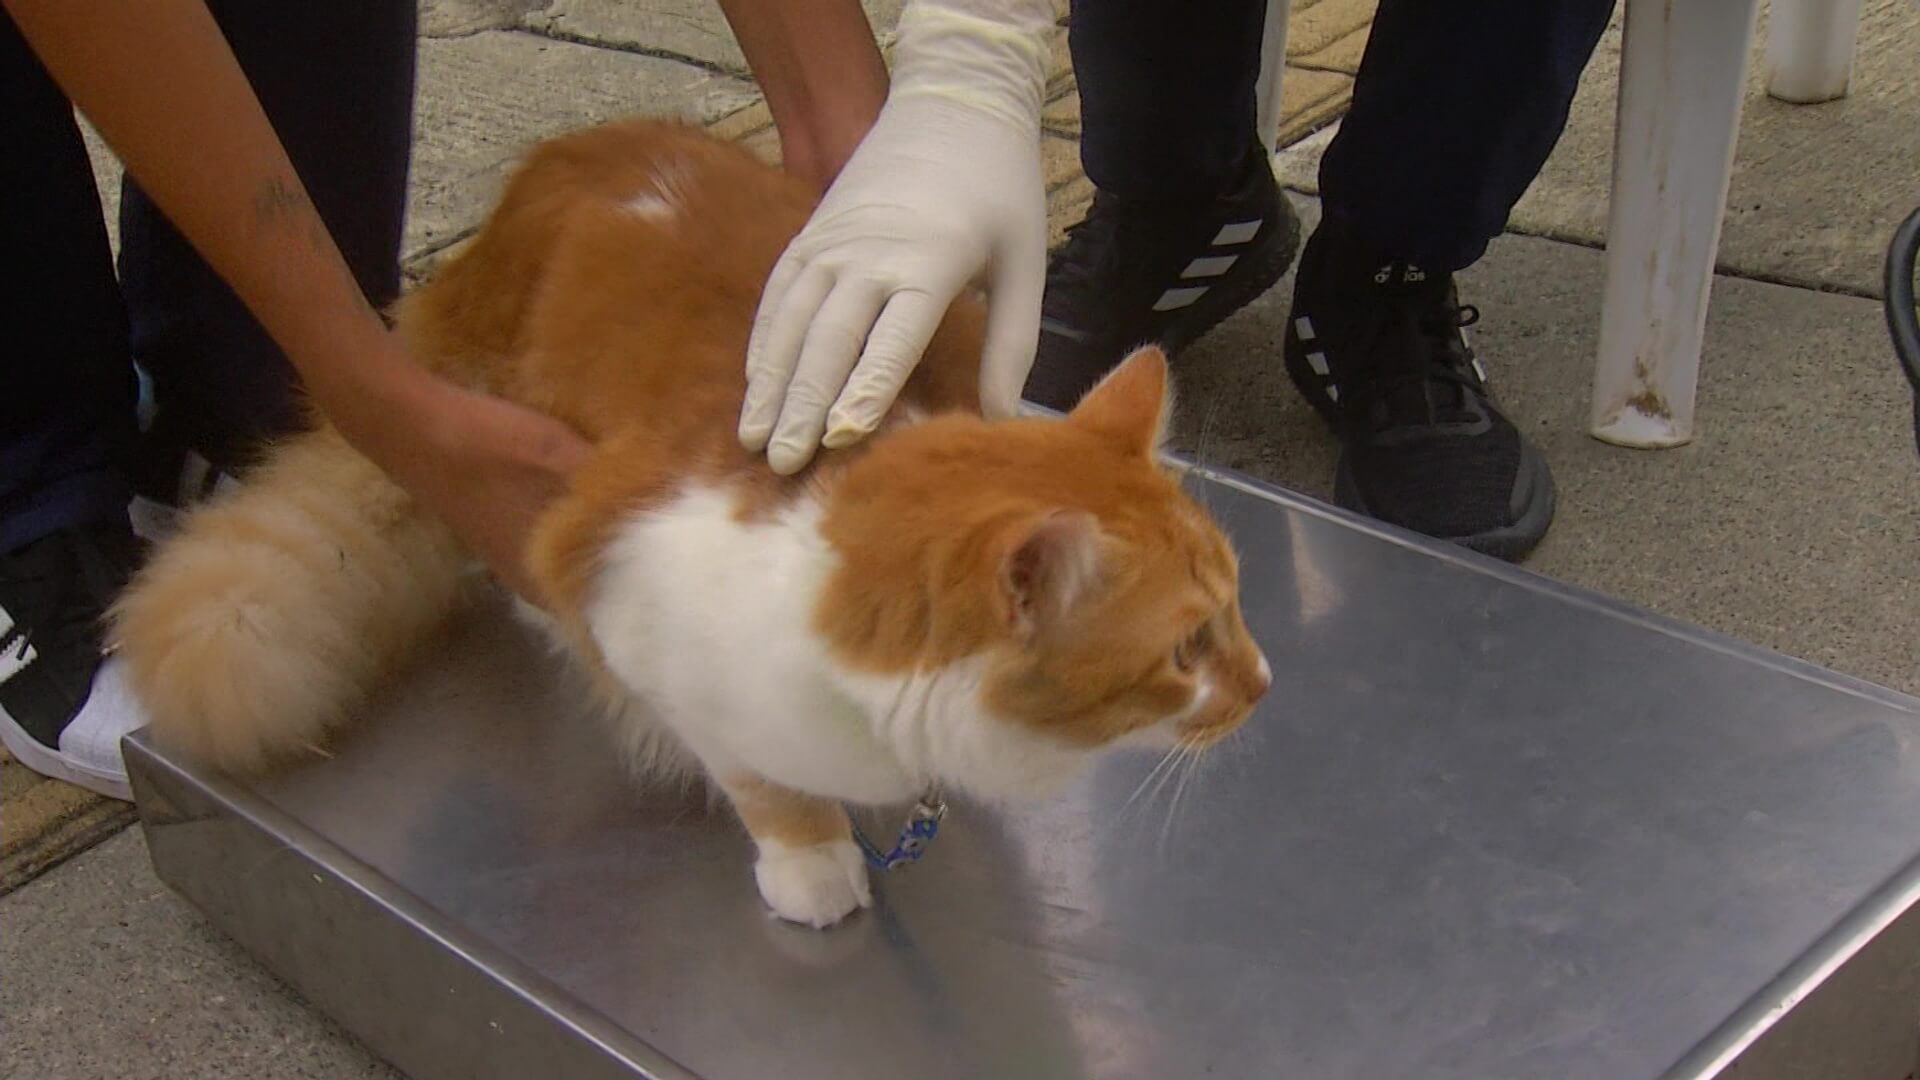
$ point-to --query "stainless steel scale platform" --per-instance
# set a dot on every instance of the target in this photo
(1484, 827)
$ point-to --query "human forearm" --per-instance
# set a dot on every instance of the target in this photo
(160, 83)
(821, 71)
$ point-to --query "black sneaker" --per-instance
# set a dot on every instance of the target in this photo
(1377, 347)
(63, 707)
(1137, 273)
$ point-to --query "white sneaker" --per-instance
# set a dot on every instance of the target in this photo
(63, 706)
(88, 753)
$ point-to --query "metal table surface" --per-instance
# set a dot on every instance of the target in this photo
(1484, 827)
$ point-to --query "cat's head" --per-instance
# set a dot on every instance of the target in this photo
(1054, 573)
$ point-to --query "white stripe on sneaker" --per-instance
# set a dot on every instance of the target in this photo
(14, 658)
(1303, 326)
(1054, 326)
(1209, 266)
(1238, 232)
(1175, 299)
(1318, 362)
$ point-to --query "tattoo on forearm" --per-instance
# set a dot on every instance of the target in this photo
(279, 199)
(281, 202)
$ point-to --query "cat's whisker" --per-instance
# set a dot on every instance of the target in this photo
(1201, 451)
(1148, 793)
(1149, 779)
(1176, 756)
(1238, 748)
(1190, 761)
(1166, 822)
(1165, 760)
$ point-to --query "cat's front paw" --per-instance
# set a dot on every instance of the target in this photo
(816, 885)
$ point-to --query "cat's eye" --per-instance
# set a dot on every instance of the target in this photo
(1188, 652)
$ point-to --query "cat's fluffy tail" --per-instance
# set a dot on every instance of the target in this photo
(269, 616)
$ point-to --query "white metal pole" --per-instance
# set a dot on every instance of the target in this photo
(1273, 62)
(1810, 47)
(1682, 75)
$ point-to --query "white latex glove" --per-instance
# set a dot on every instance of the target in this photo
(947, 183)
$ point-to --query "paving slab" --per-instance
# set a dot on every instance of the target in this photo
(1329, 34)
(44, 821)
(486, 97)
(688, 29)
(456, 18)
(1790, 522)
(1817, 189)
(693, 30)
(108, 974)
(106, 176)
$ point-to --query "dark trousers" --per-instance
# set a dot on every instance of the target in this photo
(336, 80)
(1456, 107)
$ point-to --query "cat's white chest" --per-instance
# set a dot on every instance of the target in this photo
(709, 619)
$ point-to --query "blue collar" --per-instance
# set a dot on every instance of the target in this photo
(923, 824)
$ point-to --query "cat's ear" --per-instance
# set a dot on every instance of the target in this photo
(1053, 560)
(1133, 404)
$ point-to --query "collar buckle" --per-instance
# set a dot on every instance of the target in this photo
(923, 824)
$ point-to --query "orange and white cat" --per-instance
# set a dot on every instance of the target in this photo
(955, 602)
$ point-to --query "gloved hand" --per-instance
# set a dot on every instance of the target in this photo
(946, 183)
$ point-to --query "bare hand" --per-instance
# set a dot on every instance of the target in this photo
(492, 469)
(485, 466)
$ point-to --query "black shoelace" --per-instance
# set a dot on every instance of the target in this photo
(1419, 370)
